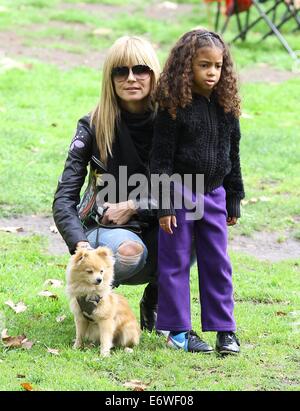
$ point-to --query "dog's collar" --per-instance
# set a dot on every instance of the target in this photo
(88, 305)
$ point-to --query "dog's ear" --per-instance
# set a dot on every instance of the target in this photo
(104, 252)
(80, 254)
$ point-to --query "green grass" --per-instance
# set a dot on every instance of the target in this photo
(39, 108)
(266, 314)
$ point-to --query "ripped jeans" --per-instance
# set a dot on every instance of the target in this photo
(129, 270)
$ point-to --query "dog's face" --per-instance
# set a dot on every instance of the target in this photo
(92, 268)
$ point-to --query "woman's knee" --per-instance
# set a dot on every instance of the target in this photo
(130, 258)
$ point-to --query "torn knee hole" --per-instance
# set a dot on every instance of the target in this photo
(130, 251)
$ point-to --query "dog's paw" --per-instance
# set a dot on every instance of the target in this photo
(128, 350)
(77, 346)
(105, 353)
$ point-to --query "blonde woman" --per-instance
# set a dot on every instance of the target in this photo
(117, 133)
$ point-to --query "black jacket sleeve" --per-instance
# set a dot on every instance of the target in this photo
(233, 182)
(162, 155)
(67, 195)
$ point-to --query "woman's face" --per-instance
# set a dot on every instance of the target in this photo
(133, 89)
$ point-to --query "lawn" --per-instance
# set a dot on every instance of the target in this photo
(40, 104)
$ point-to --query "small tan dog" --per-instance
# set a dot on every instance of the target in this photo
(111, 322)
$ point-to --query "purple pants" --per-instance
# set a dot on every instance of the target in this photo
(214, 269)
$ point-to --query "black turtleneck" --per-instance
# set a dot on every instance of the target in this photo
(140, 127)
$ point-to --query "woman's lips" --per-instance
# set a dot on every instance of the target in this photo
(210, 82)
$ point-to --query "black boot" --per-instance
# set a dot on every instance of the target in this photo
(148, 308)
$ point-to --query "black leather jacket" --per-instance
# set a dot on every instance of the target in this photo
(72, 216)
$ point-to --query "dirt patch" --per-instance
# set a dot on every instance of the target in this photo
(99, 9)
(265, 246)
(40, 225)
(161, 11)
(11, 45)
(266, 74)
(262, 245)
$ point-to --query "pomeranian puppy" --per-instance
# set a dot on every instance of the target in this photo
(111, 321)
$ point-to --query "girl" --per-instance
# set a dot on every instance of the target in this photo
(197, 132)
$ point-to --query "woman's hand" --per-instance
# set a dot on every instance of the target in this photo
(166, 223)
(231, 220)
(119, 213)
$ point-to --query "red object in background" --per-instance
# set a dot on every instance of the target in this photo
(242, 5)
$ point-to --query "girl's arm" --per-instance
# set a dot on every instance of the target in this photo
(67, 194)
(162, 154)
(233, 182)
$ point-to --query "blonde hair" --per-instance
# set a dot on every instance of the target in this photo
(126, 51)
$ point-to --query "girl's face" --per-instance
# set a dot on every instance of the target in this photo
(207, 67)
(133, 89)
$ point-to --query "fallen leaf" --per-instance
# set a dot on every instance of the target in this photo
(60, 318)
(21, 376)
(7, 63)
(27, 386)
(53, 229)
(4, 333)
(169, 5)
(55, 283)
(136, 385)
(18, 308)
(48, 294)
(14, 342)
(52, 351)
(264, 199)
(12, 229)
(247, 116)
(102, 31)
(27, 344)
(280, 313)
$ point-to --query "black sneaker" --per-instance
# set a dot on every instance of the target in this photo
(188, 341)
(227, 343)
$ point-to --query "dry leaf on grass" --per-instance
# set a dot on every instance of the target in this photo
(52, 351)
(53, 229)
(7, 63)
(20, 341)
(60, 318)
(27, 386)
(18, 308)
(102, 32)
(48, 294)
(136, 385)
(12, 229)
(281, 313)
(168, 5)
(254, 200)
(55, 283)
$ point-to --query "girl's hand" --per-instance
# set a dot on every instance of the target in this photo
(119, 213)
(231, 220)
(166, 223)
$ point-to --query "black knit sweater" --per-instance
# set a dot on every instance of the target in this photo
(203, 139)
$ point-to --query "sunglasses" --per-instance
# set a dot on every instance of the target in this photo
(140, 72)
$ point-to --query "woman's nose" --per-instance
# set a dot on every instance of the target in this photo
(131, 75)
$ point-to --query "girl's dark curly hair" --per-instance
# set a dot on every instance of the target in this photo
(174, 87)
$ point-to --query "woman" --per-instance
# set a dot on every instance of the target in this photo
(117, 133)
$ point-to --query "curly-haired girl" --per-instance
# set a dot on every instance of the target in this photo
(197, 132)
